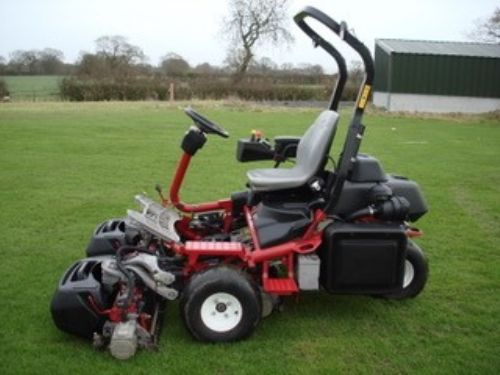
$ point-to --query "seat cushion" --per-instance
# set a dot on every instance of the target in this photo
(312, 150)
(275, 178)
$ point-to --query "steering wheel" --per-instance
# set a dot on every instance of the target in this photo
(205, 125)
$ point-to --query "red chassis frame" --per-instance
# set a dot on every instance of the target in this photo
(194, 247)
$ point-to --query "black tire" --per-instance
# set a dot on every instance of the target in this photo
(415, 259)
(220, 304)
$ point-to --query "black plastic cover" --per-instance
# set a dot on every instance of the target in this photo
(280, 223)
(358, 195)
(411, 191)
(193, 141)
(70, 307)
(248, 150)
(367, 169)
(362, 258)
(108, 237)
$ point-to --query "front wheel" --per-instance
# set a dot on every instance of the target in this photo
(416, 272)
(220, 305)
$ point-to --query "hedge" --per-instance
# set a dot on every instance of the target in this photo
(75, 89)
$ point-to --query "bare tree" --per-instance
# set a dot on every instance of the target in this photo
(115, 58)
(24, 62)
(487, 30)
(174, 65)
(91, 65)
(118, 51)
(253, 22)
(206, 69)
(310, 69)
(263, 66)
(50, 61)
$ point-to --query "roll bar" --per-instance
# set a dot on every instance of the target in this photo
(341, 30)
(356, 129)
(332, 51)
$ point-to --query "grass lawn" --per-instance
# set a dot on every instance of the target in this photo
(65, 167)
(33, 88)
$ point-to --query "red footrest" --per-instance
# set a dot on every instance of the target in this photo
(280, 286)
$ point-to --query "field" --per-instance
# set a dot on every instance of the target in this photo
(66, 167)
(33, 88)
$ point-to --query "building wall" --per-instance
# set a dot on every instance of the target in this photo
(382, 61)
(434, 103)
(444, 75)
(436, 83)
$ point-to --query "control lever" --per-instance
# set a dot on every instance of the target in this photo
(159, 190)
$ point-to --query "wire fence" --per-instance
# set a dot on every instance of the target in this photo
(34, 95)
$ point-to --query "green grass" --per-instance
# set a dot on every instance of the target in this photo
(65, 167)
(33, 88)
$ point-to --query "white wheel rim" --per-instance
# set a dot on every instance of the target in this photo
(221, 312)
(409, 273)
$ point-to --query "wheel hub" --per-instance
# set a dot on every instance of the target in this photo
(409, 273)
(221, 312)
(221, 307)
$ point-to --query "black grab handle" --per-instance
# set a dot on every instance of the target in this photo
(341, 30)
(331, 50)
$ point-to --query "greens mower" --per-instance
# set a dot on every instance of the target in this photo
(344, 230)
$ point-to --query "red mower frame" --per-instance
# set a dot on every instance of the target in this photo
(248, 257)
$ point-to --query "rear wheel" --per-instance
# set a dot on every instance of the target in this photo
(416, 271)
(220, 305)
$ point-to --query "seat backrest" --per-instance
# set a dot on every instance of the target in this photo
(314, 146)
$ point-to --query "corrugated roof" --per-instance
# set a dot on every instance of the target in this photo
(428, 47)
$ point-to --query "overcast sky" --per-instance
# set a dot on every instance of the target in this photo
(190, 27)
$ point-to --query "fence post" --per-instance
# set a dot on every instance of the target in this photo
(171, 90)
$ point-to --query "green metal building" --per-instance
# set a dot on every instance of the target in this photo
(429, 76)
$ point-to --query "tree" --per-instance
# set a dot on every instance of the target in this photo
(24, 62)
(118, 51)
(117, 55)
(310, 69)
(205, 69)
(3, 65)
(174, 65)
(50, 61)
(487, 30)
(47, 61)
(115, 58)
(287, 67)
(92, 65)
(250, 23)
(264, 66)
